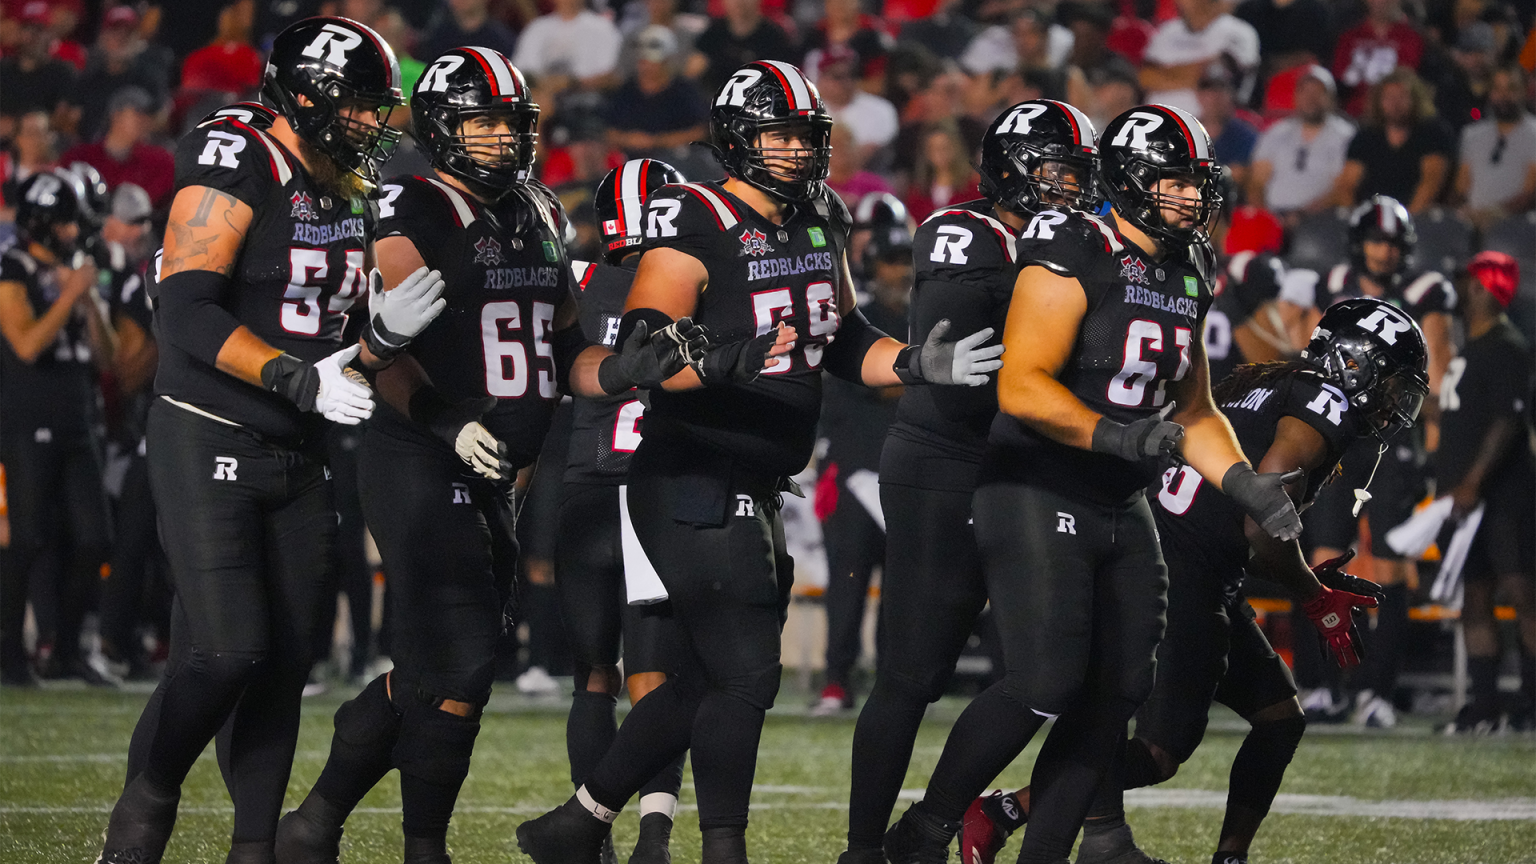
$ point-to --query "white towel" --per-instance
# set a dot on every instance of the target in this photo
(865, 486)
(642, 586)
(1449, 580)
(1415, 535)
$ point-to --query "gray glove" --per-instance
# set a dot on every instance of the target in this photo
(395, 317)
(1146, 438)
(1264, 497)
(958, 362)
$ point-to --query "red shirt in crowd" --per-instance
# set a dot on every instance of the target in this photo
(922, 202)
(233, 67)
(151, 168)
(1364, 57)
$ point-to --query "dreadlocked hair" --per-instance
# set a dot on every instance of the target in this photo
(1250, 375)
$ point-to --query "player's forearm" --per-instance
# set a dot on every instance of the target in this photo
(398, 383)
(1210, 445)
(684, 380)
(29, 341)
(1047, 406)
(879, 367)
(244, 354)
(1280, 562)
(1494, 444)
(1170, 77)
(99, 330)
(584, 380)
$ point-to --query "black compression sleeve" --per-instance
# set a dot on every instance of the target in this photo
(190, 315)
(845, 356)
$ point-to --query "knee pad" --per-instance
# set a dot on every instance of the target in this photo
(756, 689)
(1046, 692)
(1279, 739)
(1262, 760)
(1141, 767)
(435, 745)
(369, 720)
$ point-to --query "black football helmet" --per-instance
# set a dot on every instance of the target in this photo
(98, 198)
(887, 243)
(1024, 150)
(336, 63)
(1382, 218)
(1375, 354)
(49, 199)
(476, 82)
(253, 114)
(1143, 146)
(767, 95)
(880, 209)
(619, 198)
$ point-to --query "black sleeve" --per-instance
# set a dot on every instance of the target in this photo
(230, 157)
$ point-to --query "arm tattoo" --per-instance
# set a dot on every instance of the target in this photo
(205, 207)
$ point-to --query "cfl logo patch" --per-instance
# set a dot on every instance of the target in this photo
(224, 467)
(1066, 523)
(744, 506)
(461, 493)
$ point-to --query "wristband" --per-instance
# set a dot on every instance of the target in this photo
(292, 379)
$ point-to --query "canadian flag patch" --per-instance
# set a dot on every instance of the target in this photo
(611, 226)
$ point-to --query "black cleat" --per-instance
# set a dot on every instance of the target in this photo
(654, 845)
(919, 837)
(140, 825)
(426, 850)
(862, 856)
(251, 852)
(1112, 846)
(568, 834)
(310, 834)
(1478, 717)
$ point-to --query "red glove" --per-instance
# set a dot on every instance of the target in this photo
(826, 493)
(1332, 611)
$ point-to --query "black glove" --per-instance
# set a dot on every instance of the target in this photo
(735, 362)
(1144, 439)
(646, 361)
(1265, 499)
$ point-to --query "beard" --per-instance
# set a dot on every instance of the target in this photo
(330, 176)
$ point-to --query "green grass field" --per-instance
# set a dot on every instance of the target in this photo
(1411, 796)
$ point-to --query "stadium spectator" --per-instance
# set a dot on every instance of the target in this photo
(736, 39)
(34, 148)
(655, 12)
(1461, 88)
(1401, 151)
(1297, 160)
(845, 27)
(469, 22)
(1369, 51)
(227, 64)
(1091, 23)
(1028, 40)
(847, 176)
(1182, 47)
(946, 33)
(655, 113)
(943, 175)
(1497, 174)
(60, 19)
(1485, 461)
(33, 80)
(1232, 136)
(392, 28)
(1114, 93)
(118, 60)
(570, 47)
(124, 154)
(1291, 32)
(871, 119)
(945, 99)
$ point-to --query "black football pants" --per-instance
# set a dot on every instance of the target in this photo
(248, 527)
(855, 547)
(931, 592)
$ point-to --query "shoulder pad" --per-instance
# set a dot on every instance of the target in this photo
(232, 156)
(1067, 242)
(1202, 257)
(1338, 278)
(1429, 291)
(998, 234)
(16, 258)
(582, 273)
(1323, 406)
(831, 207)
(687, 210)
(414, 200)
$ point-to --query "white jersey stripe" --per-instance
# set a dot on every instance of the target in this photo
(629, 196)
(284, 173)
(1336, 278)
(501, 72)
(722, 210)
(799, 91)
(456, 198)
(1005, 234)
(1197, 132)
(1416, 289)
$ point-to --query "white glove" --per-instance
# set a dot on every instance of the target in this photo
(479, 448)
(398, 315)
(959, 362)
(342, 399)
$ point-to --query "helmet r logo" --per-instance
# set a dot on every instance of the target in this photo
(1386, 323)
(1135, 130)
(436, 79)
(1018, 122)
(339, 39)
(735, 90)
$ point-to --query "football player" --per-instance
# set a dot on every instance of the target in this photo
(467, 404)
(1251, 320)
(55, 331)
(268, 237)
(1362, 375)
(597, 602)
(1037, 155)
(1381, 245)
(1105, 373)
(723, 437)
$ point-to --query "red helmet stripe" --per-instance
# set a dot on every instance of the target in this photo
(795, 86)
(497, 70)
(392, 65)
(1197, 148)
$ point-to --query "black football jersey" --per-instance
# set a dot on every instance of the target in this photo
(57, 391)
(505, 273)
(1190, 511)
(1247, 282)
(125, 288)
(964, 263)
(1488, 381)
(1418, 293)
(299, 273)
(1134, 340)
(604, 430)
(760, 274)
